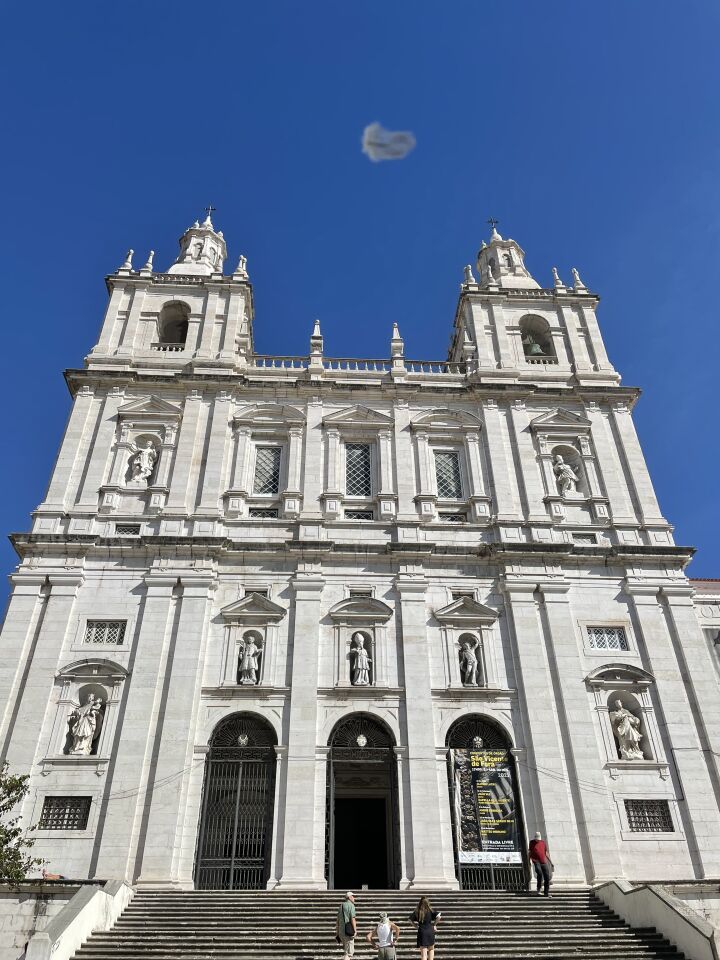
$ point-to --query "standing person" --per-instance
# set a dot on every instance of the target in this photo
(540, 859)
(426, 919)
(387, 935)
(347, 925)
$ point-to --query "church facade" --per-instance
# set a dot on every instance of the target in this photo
(310, 622)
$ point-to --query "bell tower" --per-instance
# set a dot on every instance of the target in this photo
(202, 249)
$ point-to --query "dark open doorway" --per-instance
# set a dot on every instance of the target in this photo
(362, 829)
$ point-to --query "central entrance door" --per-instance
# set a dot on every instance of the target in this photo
(362, 846)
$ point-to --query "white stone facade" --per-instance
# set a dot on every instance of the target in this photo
(294, 502)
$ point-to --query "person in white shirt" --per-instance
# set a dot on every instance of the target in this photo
(386, 934)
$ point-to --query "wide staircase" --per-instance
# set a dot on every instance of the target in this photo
(487, 925)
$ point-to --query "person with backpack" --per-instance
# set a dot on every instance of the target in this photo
(387, 934)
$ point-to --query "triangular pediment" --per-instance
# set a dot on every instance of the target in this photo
(466, 611)
(149, 407)
(253, 608)
(446, 419)
(560, 419)
(357, 415)
(361, 610)
(269, 414)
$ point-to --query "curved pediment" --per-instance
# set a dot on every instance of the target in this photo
(614, 674)
(357, 416)
(361, 610)
(260, 415)
(253, 608)
(444, 419)
(92, 668)
(466, 612)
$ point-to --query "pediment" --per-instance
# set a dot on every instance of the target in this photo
(361, 610)
(358, 416)
(150, 407)
(618, 674)
(253, 608)
(560, 420)
(269, 415)
(446, 419)
(466, 611)
(92, 668)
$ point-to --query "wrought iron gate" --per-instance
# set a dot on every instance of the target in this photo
(237, 808)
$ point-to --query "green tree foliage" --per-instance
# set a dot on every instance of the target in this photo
(15, 858)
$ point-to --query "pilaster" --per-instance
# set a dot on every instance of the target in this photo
(637, 468)
(100, 451)
(216, 452)
(184, 458)
(77, 426)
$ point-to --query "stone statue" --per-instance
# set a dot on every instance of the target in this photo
(531, 347)
(83, 722)
(360, 661)
(249, 661)
(567, 479)
(469, 662)
(627, 729)
(143, 462)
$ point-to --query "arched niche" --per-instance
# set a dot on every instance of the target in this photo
(537, 341)
(472, 659)
(570, 456)
(367, 617)
(173, 321)
(628, 723)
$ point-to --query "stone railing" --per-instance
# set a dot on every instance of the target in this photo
(168, 347)
(545, 360)
(360, 365)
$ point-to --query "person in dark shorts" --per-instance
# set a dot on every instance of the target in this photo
(426, 919)
(542, 864)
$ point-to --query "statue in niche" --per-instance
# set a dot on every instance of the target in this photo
(627, 729)
(531, 347)
(143, 463)
(469, 662)
(83, 723)
(567, 479)
(360, 661)
(249, 660)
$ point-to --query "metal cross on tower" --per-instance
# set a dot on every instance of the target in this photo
(493, 222)
(210, 209)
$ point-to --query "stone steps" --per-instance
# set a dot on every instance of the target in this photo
(292, 925)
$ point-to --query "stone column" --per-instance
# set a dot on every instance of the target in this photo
(100, 451)
(208, 328)
(235, 309)
(404, 454)
(111, 321)
(587, 313)
(530, 475)
(216, 453)
(175, 736)
(18, 631)
(610, 468)
(425, 477)
(503, 341)
(333, 481)
(545, 747)
(637, 468)
(677, 708)
(303, 832)
(475, 318)
(56, 496)
(584, 762)
(135, 746)
(294, 459)
(423, 830)
(578, 349)
(241, 461)
(177, 500)
(384, 448)
(507, 509)
(312, 472)
(130, 333)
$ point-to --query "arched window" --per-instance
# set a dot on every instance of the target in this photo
(537, 341)
(173, 323)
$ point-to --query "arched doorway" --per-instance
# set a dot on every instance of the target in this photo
(488, 834)
(235, 836)
(362, 828)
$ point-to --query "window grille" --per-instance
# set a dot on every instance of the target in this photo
(263, 513)
(267, 470)
(358, 478)
(127, 529)
(649, 816)
(65, 813)
(360, 593)
(452, 517)
(447, 474)
(359, 515)
(585, 539)
(462, 594)
(608, 638)
(111, 632)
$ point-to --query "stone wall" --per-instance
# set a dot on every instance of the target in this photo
(27, 911)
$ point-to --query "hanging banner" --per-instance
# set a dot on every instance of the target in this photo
(485, 816)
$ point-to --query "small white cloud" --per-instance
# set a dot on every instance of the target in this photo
(381, 144)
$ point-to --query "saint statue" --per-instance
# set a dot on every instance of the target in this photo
(627, 729)
(360, 661)
(143, 463)
(249, 660)
(83, 722)
(531, 347)
(469, 662)
(567, 479)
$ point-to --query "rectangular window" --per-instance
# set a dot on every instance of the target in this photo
(447, 474)
(584, 539)
(462, 594)
(358, 473)
(360, 592)
(263, 513)
(127, 529)
(452, 517)
(65, 813)
(359, 515)
(649, 816)
(607, 638)
(111, 632)
(267, 470)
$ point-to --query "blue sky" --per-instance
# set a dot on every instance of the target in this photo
(590, 130)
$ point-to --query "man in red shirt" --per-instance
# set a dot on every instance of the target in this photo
(540, 859)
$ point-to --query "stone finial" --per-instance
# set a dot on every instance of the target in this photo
(149, 263)
(127, 265)
(469, 277)
(316, 340)
(397, 344)
(241, 268)
(557, 282)
(577, 282)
